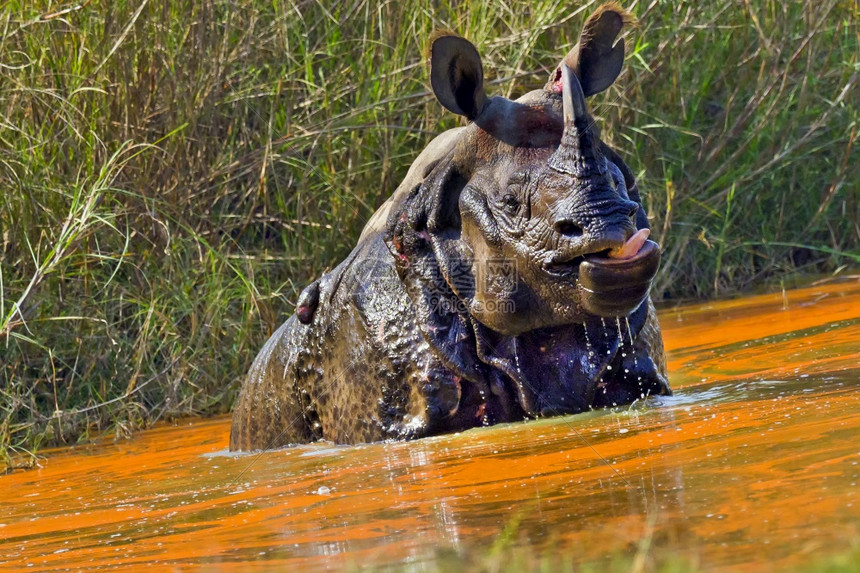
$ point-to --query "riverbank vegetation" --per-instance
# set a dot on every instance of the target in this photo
(173, 173)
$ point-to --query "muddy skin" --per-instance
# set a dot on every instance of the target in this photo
(506, 278)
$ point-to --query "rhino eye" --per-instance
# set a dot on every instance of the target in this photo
(511, 203)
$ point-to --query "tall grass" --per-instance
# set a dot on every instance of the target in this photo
(171, 173)
(744, 117)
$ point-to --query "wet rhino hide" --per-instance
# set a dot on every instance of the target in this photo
(506, 278)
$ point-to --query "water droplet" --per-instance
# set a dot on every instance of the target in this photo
(587, 341)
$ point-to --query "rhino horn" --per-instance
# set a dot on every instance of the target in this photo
(578, 153)
(573, 98)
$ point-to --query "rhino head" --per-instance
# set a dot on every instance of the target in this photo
(529, 218)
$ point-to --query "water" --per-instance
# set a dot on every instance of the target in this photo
(753, 465)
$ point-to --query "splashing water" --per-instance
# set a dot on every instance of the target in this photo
(588, 346)
(621, 346)
(633, 350)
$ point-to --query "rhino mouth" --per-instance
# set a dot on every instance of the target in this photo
(615, 283)
(564, 269)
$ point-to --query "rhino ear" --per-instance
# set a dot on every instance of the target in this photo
(598, 57)
(456, 74)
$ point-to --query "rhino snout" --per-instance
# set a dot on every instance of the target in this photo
(593, 232)
(607, 239)
(596, 227)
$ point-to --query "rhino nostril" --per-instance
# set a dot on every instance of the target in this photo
(633, 210)
(568, 228)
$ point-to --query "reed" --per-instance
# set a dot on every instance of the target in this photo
(173, 172)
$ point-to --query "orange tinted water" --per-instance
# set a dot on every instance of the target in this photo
(753, 465)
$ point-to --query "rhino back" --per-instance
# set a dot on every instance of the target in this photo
(360, 371)
(269, 412)
(438, 148)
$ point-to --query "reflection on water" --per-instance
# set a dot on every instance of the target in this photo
(755, 463)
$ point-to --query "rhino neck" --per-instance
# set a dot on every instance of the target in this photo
(560, 370)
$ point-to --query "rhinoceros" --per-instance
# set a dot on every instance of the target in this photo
(505, 279)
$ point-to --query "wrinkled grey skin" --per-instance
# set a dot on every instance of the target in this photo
(480, 292)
